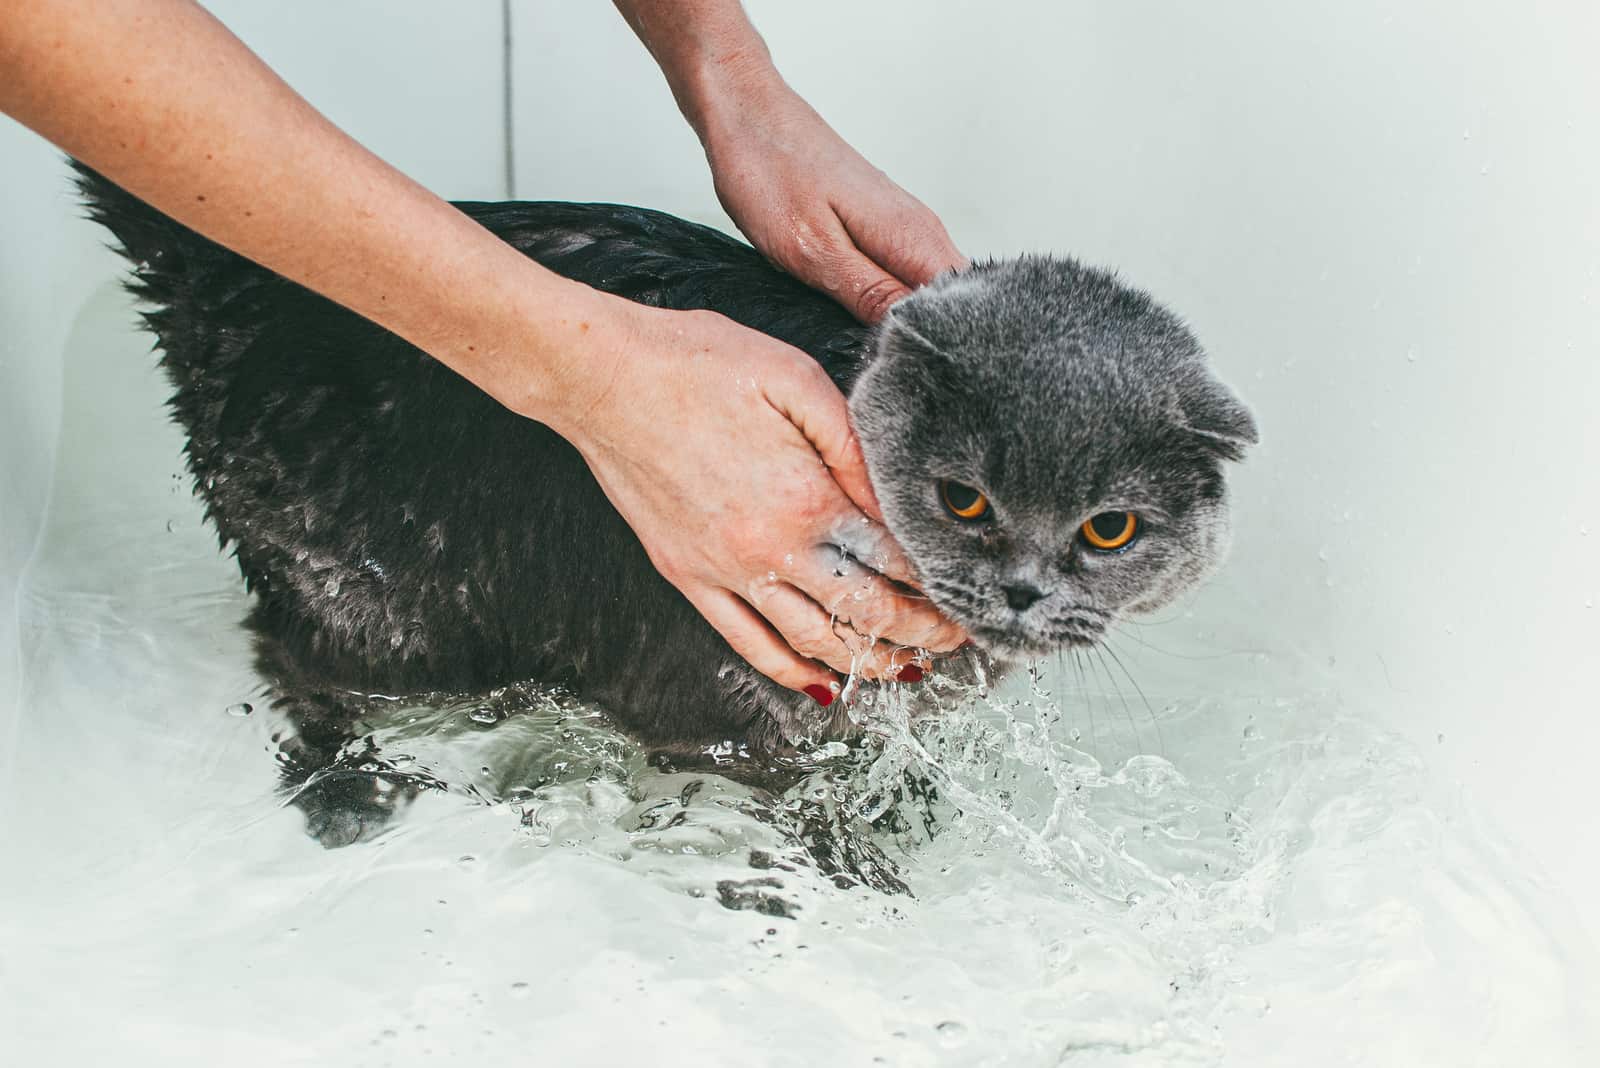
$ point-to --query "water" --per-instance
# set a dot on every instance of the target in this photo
(1229, 867)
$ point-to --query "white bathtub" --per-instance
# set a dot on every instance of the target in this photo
(1382, 220)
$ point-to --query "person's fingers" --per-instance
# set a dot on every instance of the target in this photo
(753, 639)
(865, 288)
(821, 253)
(813, 631)
(859, 539)
(912, 244)
(818, 410)
(872, 605)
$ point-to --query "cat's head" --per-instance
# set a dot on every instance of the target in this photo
(1048, 446)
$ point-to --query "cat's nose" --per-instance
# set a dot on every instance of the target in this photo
(1021, 596)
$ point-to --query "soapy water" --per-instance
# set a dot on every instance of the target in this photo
(1084, 865)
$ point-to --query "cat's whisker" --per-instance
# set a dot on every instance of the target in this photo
(1116, 691)
(1167, 652)
(1161, 741)
(1088, 699)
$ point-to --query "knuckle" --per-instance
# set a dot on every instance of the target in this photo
(671, 570)
(876, 298)
(815, 646)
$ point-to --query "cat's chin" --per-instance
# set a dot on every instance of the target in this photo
(1010, 647)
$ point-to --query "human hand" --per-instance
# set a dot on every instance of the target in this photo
(730, 455)
(811, 203)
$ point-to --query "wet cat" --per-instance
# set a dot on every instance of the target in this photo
(1048, 445)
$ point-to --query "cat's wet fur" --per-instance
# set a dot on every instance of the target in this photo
(403, 532)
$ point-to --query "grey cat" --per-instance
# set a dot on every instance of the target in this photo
(1060, 466)
(1048, 446)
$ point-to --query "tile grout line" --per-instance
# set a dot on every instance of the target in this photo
(508, 128)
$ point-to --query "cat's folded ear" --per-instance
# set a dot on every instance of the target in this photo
(1210, 411)
(902, 335)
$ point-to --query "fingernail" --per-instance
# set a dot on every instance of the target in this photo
(820, 694)
(909, 673)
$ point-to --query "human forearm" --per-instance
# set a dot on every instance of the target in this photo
(803, 196)
(708, 51)
(161, 98)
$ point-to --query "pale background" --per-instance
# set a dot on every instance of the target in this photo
(1380, 217)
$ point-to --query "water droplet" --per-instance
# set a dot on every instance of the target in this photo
(170, 526)
(486, 715)
(331, 587)
(1251, 733)
(241, 709)
(951, 1033)
(520, 989)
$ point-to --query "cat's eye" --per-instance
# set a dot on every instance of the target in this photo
(1110, 531)
(963, 502)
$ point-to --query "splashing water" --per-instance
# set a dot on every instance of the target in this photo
(985, 867)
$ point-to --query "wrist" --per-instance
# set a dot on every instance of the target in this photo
(714, 86)
(541, 345)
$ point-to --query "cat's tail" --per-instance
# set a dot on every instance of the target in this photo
(175, 270)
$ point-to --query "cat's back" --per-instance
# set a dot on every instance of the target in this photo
(400, 527)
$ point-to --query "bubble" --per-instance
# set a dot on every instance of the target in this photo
(485, 715)
(242, 709)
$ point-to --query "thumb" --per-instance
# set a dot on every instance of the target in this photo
(838, 266)
(865, 288)
(818, 410)
(907, 241)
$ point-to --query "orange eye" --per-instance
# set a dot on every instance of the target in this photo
(1110, 531)
(963, 502)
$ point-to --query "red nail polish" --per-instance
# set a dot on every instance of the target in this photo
(820, 694)
(909, 673)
